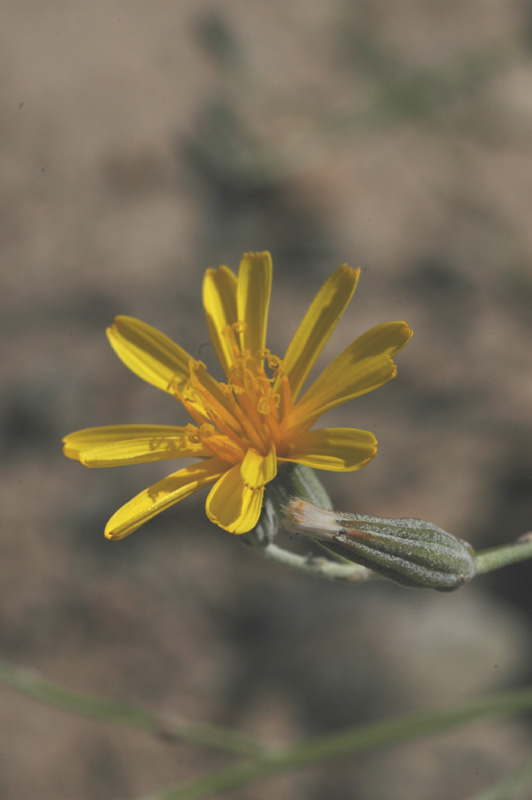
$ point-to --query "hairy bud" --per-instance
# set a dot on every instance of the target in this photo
(411, 552)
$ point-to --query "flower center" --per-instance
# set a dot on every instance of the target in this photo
(247, 411)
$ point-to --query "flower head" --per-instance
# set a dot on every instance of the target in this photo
(244, 427)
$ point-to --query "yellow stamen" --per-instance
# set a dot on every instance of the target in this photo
(212, 403)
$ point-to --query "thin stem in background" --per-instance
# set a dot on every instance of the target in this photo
(266, 760)
(348, 743)
(509, 786)
(168, 728)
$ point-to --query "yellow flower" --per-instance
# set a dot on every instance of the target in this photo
(245, 427)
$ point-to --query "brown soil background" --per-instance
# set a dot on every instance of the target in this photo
(144, 142)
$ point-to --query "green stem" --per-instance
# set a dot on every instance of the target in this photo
(509, 786)
(348, 743)
(496, 557)
(316, 565)
(172, 729)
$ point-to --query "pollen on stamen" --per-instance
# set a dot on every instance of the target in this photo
(207, 430)
(173, 384)
(188, 394)
(274, 362)
(192, 434)
(263, 406)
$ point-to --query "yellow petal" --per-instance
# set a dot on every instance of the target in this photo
(337, 449)
(318, 324)
(235, 502)
(253, 299)
(219, 300)
(257, 470)
(162, 495)
(148, 353)
(363, 366)
(232, 505)
(116, 445)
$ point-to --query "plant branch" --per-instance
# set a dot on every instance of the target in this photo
(508, 787)
(496, 557)
(347, 743)
(171, 729)
(316, 565)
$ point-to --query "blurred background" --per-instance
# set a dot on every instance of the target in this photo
(144, 142)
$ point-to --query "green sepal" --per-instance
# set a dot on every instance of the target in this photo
(292, 480)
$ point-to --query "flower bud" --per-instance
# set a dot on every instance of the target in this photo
(411, 552)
